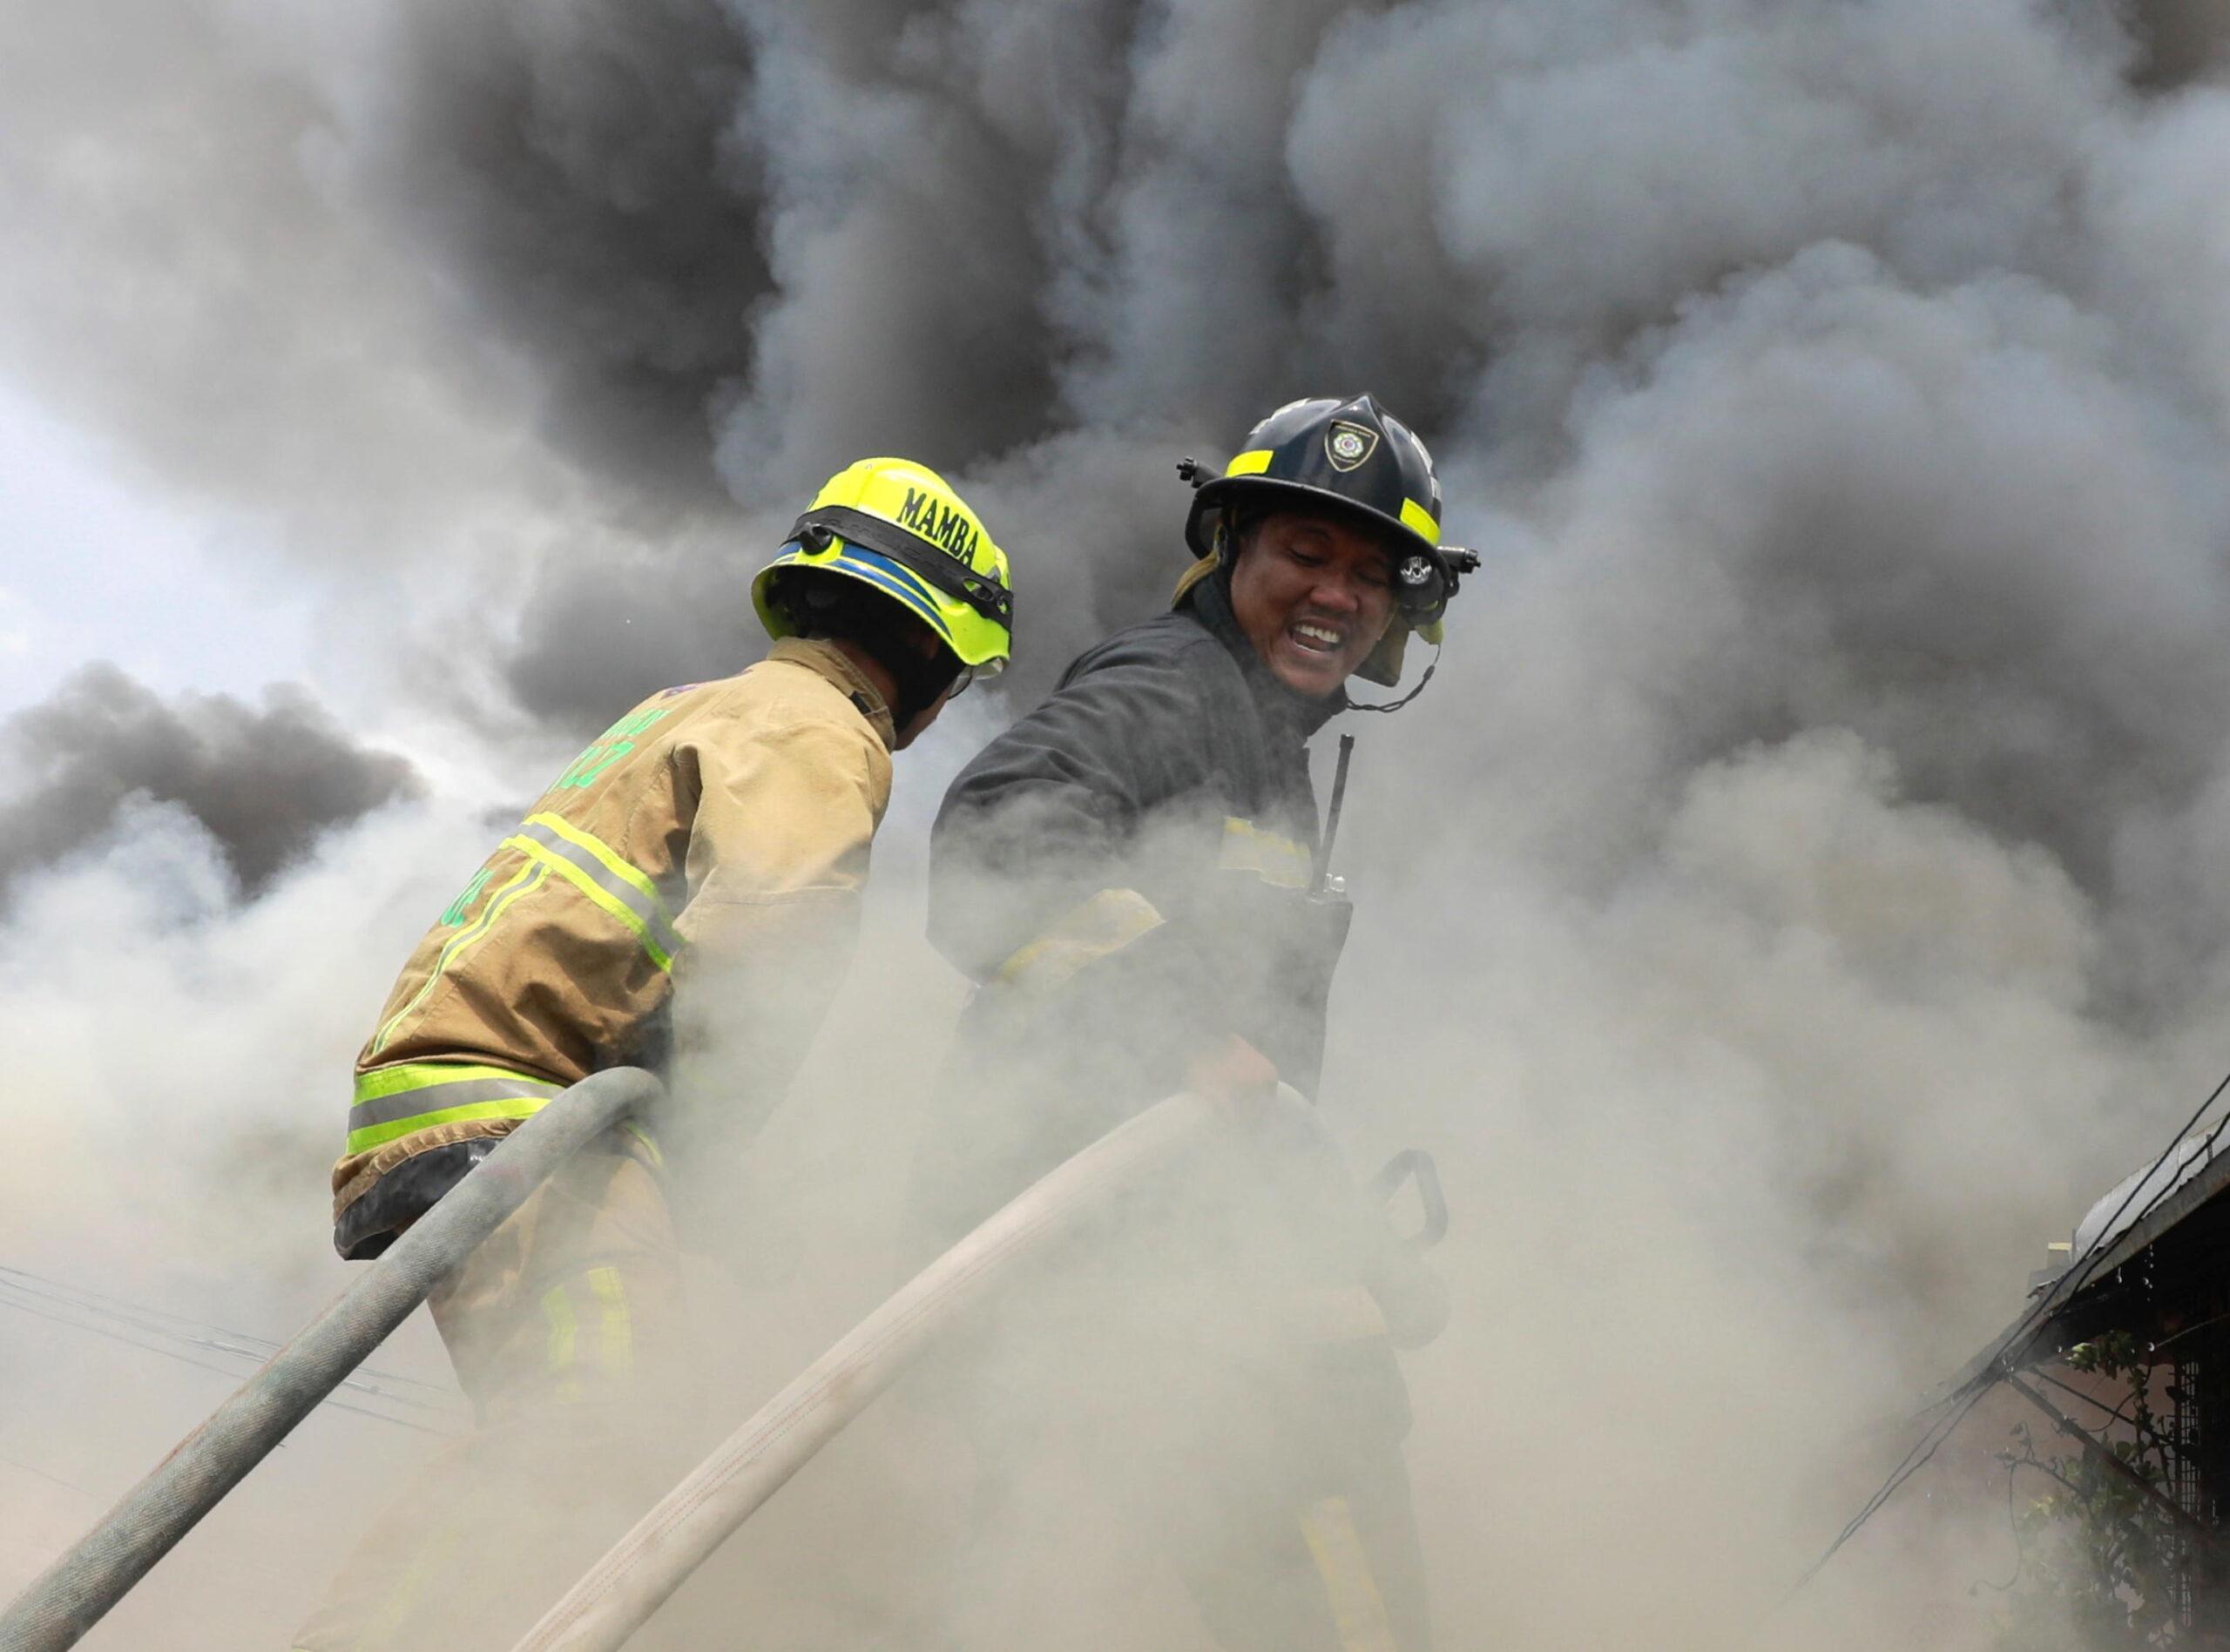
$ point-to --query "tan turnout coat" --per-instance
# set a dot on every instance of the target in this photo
(722, 818)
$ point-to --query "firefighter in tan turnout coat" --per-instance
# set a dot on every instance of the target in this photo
(700, 862)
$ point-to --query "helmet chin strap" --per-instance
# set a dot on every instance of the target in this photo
(1394, 705)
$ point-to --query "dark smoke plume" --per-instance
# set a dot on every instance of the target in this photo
(592, 198)
(1803, 881)
(267, 784)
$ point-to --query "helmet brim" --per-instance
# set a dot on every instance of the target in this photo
(1274, 493)
(980, 644)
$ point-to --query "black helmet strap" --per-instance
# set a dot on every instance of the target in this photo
(943, 570)
(1394, 705)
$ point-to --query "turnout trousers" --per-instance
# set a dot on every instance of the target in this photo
(567, 1334)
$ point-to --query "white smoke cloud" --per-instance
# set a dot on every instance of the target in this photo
(1796, 894)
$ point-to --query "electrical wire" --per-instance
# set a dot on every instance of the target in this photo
(2013, 1525)
(52, 1480)
(371, 1389)
(101, 1302)
(2063, 1289)
(379, 1385)
(2204, 1325)
(204, 1365)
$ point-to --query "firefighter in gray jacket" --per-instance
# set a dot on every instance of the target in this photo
(1130, 875)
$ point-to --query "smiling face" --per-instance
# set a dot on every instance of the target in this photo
(1314, 595)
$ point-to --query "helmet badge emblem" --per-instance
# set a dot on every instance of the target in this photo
(1348, 445)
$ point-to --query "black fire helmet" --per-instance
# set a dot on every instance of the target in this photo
(1358, 459)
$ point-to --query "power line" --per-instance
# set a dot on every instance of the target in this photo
(52, 1480)
(172, 1353)
(141, 1314)
(208, 1344)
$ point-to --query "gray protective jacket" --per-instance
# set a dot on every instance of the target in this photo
(1147, 835)
(1126, 874)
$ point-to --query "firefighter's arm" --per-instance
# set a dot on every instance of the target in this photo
(778, 856)
(1034, 832)
(1032, 856)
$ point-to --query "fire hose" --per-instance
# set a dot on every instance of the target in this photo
(636, 1575)
(73, 1595)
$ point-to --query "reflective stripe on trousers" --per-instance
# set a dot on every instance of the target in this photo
(1357, 1607)
(614, 1351)
(585, 1278)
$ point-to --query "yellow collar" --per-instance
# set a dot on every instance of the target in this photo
(831, 662)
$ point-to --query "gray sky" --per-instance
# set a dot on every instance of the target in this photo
(98, 564)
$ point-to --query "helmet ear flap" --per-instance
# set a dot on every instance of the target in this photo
(1382, 665)
(798, 595)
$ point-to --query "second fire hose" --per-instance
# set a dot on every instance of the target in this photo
(636, 1575)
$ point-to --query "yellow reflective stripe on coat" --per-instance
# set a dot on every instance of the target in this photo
(1274, 860)
(1358, 1608)
(526, 878)
(395, 1100)
(1089, 931)
(589, 866)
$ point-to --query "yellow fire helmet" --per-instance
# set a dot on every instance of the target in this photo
(897, 526)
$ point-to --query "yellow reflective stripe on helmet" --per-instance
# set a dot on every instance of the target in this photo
(1358, 1609)
(1247, 847)
(525, 879)
(618, 889)
(1249, 464)
(887, 576)
(1089, 931)
(397, 1101)
(1419, 521)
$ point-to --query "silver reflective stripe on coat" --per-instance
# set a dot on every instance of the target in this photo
(598, 876)
(436, 1095)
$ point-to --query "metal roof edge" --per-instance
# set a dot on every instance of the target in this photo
(2012, 1344)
